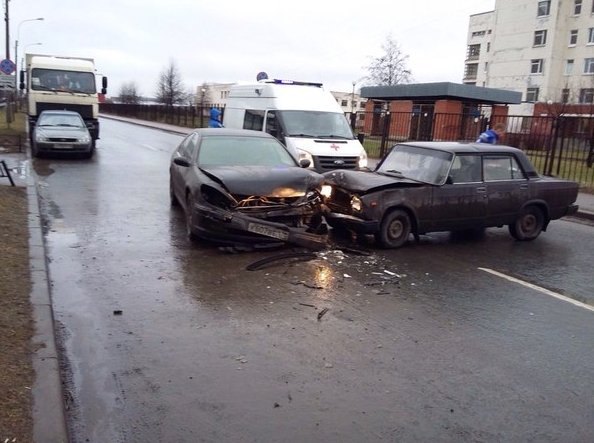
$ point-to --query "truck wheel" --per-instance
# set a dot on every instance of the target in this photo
(394, 229)
(528, 225)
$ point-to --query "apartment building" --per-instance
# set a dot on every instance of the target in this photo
(543, 49)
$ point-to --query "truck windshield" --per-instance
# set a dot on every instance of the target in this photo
(65, 81)
(316, 124)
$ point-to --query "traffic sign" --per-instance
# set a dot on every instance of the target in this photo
(7, 66)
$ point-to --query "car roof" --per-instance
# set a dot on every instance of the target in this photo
(461, 147)
(216, 132)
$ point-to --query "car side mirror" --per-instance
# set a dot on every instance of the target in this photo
(304, 162)
(180, 161)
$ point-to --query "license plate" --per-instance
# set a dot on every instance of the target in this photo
(62, 146)
(268, 231)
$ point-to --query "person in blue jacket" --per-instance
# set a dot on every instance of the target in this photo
(215, 118)
(492, 136)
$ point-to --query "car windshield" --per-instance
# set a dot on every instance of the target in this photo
(316, 124)
(63, 81)
(243, 151)
(61, 120)
(419, 164)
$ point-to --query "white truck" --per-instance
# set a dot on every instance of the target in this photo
(62, 83)
(302, 115)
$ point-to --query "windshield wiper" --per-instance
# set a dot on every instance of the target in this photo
(301, 135)
(334, 136)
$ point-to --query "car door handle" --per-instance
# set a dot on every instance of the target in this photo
(524, 186)
(481, 190)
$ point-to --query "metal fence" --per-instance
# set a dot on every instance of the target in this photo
(186, 116)
(560, 146)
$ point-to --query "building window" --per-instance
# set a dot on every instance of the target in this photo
(577, 7)
(590, 36)
(540, 37)
(565, 96)
(569, 67)
(478, 33)
(587, 95)
(544, 8)
(344, 103)
(589, 66)
(536, 66)
(532, 95)
(471, 70)
(473, 52)
(488, 46)
(573, 35)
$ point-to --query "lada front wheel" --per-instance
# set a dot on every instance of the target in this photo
(394, 229)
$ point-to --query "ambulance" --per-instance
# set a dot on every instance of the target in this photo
(303, 116)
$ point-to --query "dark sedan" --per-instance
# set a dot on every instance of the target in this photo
(243, 187)
(425, 187)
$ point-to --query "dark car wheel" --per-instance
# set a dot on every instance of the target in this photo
(528, 225)
(394, 230)
(173, 199)
(189, 217)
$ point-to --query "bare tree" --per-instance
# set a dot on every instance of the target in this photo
(390, 68)
(129, 93)
(170, 89)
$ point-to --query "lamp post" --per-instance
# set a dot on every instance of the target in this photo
(16, 42)
(353, 115)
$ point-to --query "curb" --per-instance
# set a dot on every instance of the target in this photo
(49, 420)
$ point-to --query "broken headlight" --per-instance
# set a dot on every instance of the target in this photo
(356, 204)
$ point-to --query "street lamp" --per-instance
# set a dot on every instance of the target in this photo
(25, 52)
(16, 42)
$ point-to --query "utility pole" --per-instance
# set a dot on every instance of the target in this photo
(7, 29)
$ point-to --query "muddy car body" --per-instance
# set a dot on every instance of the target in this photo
(422, 187)
(243, 187)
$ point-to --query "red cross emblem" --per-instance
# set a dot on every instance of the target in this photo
(334, 146)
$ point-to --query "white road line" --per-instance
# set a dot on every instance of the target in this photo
(152, 148)
(539, 289)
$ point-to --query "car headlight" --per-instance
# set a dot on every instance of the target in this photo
(304, 155)
(326, 191)
(84, 139)
(356, 204)
(40, 138)
(363, 159)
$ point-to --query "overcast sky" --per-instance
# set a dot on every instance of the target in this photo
(228, 41)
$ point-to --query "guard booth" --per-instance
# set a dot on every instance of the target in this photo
(434, 111)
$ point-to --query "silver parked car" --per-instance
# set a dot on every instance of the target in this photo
(61, 131)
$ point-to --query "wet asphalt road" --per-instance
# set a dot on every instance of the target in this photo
(165, 341)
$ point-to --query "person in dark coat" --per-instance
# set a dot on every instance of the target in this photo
(215, 118)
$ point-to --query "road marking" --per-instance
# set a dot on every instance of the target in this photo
(539, 289)
(152, 148)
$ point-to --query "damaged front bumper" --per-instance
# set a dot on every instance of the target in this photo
(352, 223)
(237, 228)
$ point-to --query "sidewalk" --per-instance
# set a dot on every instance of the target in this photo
(585, 201)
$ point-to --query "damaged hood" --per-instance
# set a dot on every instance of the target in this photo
(265, 181)
(364, 182)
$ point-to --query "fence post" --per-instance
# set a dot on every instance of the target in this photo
(385, 134)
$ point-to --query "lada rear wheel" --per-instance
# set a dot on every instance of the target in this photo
(394, 229)
(528, 225)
